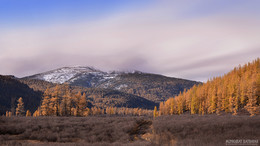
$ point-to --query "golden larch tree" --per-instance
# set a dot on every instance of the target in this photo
(28, 113)
(82, 104)
(155, 113)
(20, 107)
(45, 106)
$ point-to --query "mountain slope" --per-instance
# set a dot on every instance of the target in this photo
(11, 90)
(236, 92)
(96, 96)
(150, 86)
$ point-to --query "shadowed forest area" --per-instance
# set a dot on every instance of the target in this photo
(128, 130)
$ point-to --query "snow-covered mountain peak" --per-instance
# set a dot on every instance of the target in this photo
(89, 76)
(64, 74)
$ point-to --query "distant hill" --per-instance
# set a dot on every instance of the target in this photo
(150, 86)
(11, 89)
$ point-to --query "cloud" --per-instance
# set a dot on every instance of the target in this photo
(163, 39)
(216, 66)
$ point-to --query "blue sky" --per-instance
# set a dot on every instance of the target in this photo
(38, 12)
(192, 39)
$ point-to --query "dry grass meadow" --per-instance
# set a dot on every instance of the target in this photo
(128, 130)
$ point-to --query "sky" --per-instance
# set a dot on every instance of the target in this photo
(190, 39)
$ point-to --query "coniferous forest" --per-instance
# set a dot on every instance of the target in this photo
(235, 92)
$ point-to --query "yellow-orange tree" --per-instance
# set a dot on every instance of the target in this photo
(233, 92)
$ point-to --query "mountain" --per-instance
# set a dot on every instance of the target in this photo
(32, 90)
(11, 89)
(117, 89)
(150, 86)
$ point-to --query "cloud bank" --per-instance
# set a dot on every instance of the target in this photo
(166, 38)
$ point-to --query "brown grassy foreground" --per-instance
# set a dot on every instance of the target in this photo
(128, 130)
(206, 130)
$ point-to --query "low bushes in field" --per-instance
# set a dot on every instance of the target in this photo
(69, 129)
(129, 130)
(205, 130)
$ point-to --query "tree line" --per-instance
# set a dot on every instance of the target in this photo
(236, 91)
(56, 103)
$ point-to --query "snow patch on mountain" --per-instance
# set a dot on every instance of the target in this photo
(64, 74)
(87, 76)
(57, 78)
(121, 86)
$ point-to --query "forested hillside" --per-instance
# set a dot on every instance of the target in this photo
(11, 90)
(97, 97)
(153, 87)
(236, 91)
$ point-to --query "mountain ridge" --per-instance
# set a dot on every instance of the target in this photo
(153, 87)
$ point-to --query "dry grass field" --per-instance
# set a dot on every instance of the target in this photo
(128, 130)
